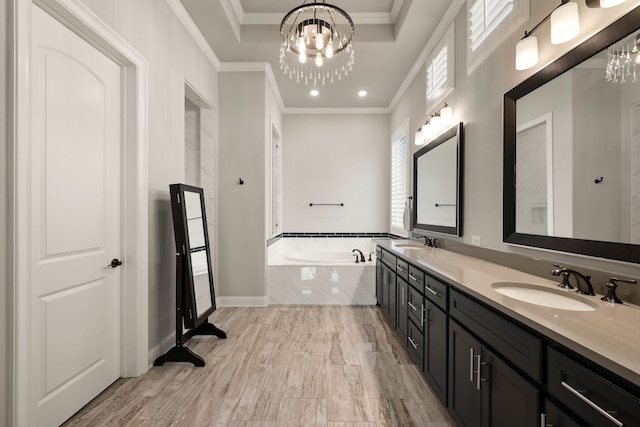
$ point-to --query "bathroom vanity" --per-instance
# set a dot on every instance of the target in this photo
(500, 347)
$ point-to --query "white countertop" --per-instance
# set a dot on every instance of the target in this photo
(609, 336)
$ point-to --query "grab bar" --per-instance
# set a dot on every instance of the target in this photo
(443, 204)
(326, 204)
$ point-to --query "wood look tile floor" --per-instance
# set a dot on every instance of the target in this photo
(325, 366)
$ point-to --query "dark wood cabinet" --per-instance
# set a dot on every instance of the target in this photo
(484, 390)
(435, 349)
(465, 397)
(402, 315)
(487, 368)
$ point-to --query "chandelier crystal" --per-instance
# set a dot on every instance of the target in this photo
(317, 43)
(622, 61)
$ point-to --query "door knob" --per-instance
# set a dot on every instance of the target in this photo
(115, 263)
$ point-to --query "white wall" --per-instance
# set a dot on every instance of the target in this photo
(477, 101)
(5, 282)
(336, 158)
(247, 108)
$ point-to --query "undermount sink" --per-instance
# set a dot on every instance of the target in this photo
(544, 296)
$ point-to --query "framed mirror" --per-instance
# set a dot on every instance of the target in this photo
(572, 150)
(192, 239)
(437, 184)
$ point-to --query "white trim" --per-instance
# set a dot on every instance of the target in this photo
(232, 16)
(438, 33)
(192, 29)
(160, 349)
(242, 301)
(403, 130)
(134, 312)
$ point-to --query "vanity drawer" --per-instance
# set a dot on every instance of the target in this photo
(402, 269)
(415, 307)
(515, 344)
(415, 344)
(416, 277)
(389, 259)
(588, 394)
(436, 291)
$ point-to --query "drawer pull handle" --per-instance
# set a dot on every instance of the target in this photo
(602, 412)
(413, 307)
(422, 316)
(479, 363)
(401, 269)
(414, 278)
(427, 287)
(543, 421)
(471, 357)
(413, 343)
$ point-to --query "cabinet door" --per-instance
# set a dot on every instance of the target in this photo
(402, 307)
(392, 300)
(379, 278)
(512, 400)
(465, 398)
(555, 417)
(435, 349)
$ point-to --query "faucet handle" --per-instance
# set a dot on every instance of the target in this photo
(611, 289)
(559, 266)
(371, 253)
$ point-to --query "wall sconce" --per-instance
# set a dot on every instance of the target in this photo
(565, 25)
(435, 124)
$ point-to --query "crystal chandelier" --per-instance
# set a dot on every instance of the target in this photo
(317, 43)
(622, 61)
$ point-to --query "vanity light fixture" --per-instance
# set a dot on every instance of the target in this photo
(417, 139)
(565, 25)
(436, 123)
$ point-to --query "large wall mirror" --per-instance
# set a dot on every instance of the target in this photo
(437, 184)
(572, 149)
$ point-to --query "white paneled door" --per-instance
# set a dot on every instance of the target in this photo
(75, 221)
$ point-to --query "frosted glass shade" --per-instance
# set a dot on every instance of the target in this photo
(565, 23)
(418, 138)
(526, 53)
(426, 131)
(610, 3)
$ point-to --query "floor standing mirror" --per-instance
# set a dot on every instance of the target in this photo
(195, 297)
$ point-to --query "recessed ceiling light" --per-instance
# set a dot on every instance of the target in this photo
(314, 92)
(362, 93)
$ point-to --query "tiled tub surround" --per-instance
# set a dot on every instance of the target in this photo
(320, 271)
(609, 336)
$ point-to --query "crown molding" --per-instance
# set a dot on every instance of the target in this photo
(235, 15)
(191, 27)
(441, 29)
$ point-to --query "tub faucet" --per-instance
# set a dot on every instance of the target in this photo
(361, 256)
(584, 283)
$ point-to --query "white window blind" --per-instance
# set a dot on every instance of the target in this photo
(398, 181)
(437, 73)
(484, 17)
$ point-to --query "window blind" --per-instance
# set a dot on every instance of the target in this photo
(398, 181)
(484, 17)
(437, 73)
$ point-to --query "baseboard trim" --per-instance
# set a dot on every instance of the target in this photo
(162, 348)
(241, 301)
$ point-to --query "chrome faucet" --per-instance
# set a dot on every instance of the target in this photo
(583, 282)
(361, 256)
